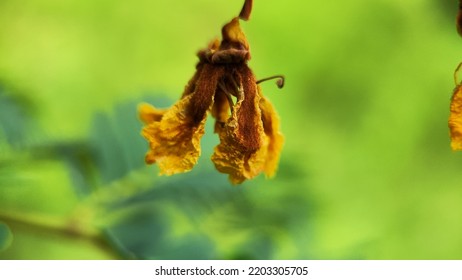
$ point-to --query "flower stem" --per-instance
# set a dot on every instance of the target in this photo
(246, 10)
(69, 227)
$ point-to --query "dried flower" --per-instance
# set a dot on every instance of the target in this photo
(455, 117)
(250, 141)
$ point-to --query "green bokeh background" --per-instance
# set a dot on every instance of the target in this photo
(366, 171)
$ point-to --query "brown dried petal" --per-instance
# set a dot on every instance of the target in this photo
(249, 116)
(204, 91)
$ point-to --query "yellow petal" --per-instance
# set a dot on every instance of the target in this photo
(149, 113)
(455, 119)
(275, 138)
(234, 158)
(174, 141)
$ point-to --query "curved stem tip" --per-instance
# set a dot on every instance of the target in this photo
(280, 82)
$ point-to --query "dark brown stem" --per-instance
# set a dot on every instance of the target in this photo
(246, 10)
(456, 74)
(280, 82)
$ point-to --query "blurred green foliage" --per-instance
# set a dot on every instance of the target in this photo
(5, 236)
(366, 171)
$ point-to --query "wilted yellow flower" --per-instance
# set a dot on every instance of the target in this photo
(455, 117)
(250, 140)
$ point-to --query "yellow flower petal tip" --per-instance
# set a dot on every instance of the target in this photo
(248, 128)
(149, 113)
(456, 145)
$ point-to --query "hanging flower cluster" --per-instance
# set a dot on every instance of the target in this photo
(248, 128)
(455, 117)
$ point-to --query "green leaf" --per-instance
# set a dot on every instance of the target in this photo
(6, 236)
(16, 118)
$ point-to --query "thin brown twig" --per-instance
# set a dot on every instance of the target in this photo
(280, 82)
